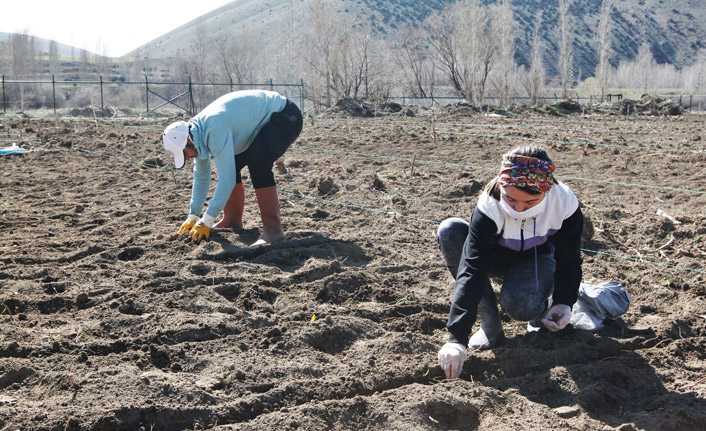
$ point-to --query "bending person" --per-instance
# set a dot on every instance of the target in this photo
(526, 228)
(250, 128)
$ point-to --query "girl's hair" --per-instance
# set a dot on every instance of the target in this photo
(493, 186)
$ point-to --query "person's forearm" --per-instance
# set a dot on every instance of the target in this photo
(471, 278)
(199, 188)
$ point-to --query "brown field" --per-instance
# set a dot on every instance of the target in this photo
(110, 321)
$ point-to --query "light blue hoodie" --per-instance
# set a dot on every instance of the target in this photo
(223, 129)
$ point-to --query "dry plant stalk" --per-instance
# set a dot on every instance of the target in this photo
(433, 126)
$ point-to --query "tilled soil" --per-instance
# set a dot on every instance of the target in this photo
(110, 320)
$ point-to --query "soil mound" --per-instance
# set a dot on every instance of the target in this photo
(649, 105)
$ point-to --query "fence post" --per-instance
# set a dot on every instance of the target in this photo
(53, 92)
(271, 87)
(301, 96)
(147, 94)
(691, 96)
(102, 110)
(3, 93)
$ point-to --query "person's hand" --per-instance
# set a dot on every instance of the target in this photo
(200, 231)
(557, 317)
(451, 359)
(188, 224)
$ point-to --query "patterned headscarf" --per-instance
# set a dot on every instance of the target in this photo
(526, 172)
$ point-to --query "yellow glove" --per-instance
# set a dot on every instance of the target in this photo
(200, 231)
(188, 224)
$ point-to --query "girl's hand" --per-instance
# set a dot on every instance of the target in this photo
(557, 317)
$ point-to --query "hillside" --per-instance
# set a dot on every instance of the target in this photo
(672, 28)
(43, 44)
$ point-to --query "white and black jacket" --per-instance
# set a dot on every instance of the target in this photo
(492, 231)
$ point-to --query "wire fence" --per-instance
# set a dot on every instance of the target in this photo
(690, 102)
(118, 97)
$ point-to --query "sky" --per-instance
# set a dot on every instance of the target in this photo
(115, 28)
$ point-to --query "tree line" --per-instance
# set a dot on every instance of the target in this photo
(466, 49)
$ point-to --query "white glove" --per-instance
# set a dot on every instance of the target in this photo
(451, 358)
(557, 317)
(208, 220)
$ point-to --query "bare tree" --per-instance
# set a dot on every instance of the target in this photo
(482, 50)
(53, 57)
(504, 29)
(442, 38)
(23, 58)
(534, 82)
(4, 57)
(343, 68)
(23, 53)
(566, 39)
(695, 75)
(382, 78)
(196, 63)
(357, 64)
(342, 59)
(364, 56)
(235, 56)
(291, 34)
(195, 58)
(324, 35)
(463, 47)
(412, 56)
(281, 56)
(84, 63)
(101, 58)
(646, 74)
(644, 67)
(604, 45)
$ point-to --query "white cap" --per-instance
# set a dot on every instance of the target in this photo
(175, 137)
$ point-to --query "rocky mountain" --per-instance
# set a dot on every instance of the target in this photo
(673, 28)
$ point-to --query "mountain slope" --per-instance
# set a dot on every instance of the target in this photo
(43, 46)
(673, 29)
(232, 20)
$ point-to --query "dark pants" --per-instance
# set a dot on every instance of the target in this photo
(527, 283)
(269, 145)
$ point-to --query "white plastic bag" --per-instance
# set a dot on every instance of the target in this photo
(597, 302)
(13, 149)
